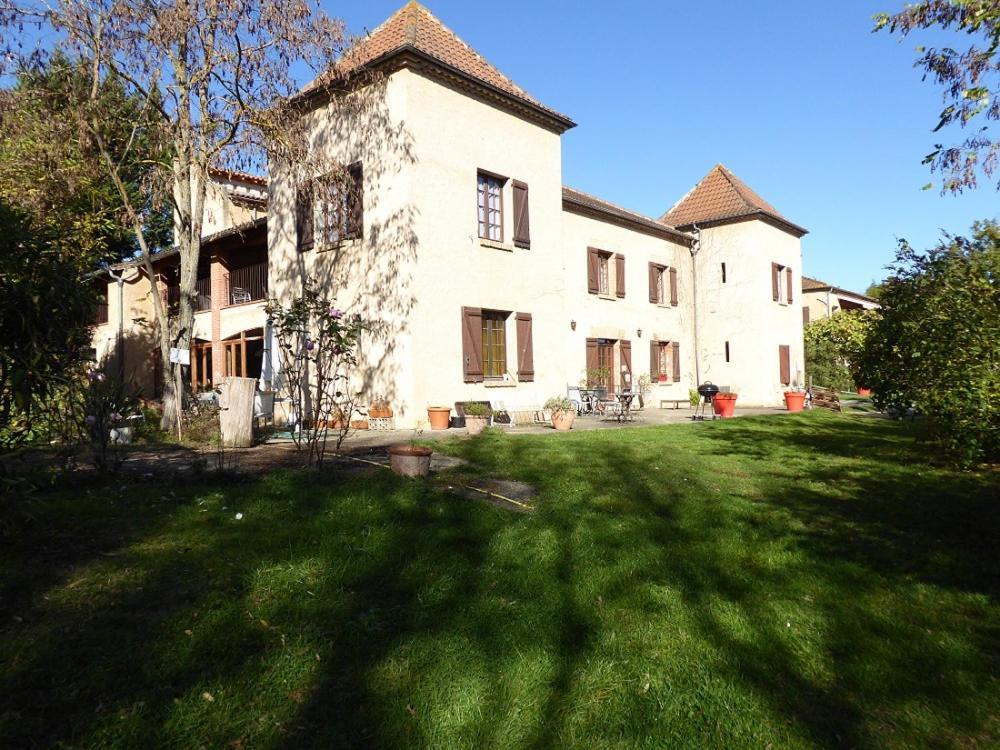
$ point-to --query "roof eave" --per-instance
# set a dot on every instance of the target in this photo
(768, 218)
(652, 227)
(551, 119)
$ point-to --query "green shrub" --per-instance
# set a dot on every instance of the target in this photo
(833, 348)
(935, 347)
(560, 403)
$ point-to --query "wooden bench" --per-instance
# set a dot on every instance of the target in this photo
(676, 402)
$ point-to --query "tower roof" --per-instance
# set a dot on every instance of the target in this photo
(722, 197)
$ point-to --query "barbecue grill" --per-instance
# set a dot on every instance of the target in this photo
(707, 391)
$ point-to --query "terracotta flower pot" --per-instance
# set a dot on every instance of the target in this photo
(475, 425)
(724, 404)
(359, 424)
(410, 460)
(438, 416)
(795, 400)
(380, 413)
(563, 420)
(864, 392)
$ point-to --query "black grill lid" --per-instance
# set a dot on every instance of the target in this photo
(708, 389)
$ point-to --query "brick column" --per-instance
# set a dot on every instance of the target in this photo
(220, 292)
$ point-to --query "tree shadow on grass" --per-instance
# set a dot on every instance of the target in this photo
(671, 589)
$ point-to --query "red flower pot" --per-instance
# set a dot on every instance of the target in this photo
(795, 400)
(724, 404)
(864, 391)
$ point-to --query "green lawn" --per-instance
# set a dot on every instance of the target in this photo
(797, 581)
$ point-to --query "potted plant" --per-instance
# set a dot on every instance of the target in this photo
(724, 404)
(661, 378)
(410, 459)
(438, 416)
(864, 392)
(795, 399)
(596, 379)
(563, 412)
(380, 409)
(694, 397)
(477, 417)
(645, 386)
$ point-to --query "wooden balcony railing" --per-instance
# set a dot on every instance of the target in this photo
(248, 284)
(202, 295)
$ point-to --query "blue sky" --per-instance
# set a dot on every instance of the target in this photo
(825, 120)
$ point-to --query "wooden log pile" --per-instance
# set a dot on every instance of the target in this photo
(825, 398)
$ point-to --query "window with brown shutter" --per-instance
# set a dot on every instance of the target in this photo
(304, 224)
(658, 283)
(489, 206)
(522, 230)
(619, 275)
(805, 315)
(355, 218)
(784, 364)
(673, 287)
(788, 290)
(775, 294)
(654, 360)
(591, 361)
(525, 355)
(677, 361)
(472, 342)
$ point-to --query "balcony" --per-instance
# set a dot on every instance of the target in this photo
(202, 295)
(248, 284)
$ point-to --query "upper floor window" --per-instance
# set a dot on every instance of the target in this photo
(605, 278)
(330, 208)
(603, 273)
(662, 284)
(489, 198)
(781, 284)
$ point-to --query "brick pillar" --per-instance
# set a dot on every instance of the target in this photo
(220, 291)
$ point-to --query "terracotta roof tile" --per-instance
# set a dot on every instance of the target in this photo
(572, 196)
(721, 195)
(414, 26)
(809, 284)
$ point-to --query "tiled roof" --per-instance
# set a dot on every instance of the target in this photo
(809, 284)
(577, 198)
(414, 27)
(234, 176)
(722, 195)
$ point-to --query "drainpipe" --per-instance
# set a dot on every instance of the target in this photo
(695, 247)
(119, 341)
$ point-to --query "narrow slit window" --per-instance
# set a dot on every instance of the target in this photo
(723, 273)
(727, 351)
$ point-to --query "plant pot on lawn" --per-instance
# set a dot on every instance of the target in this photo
(439, 416)
(477, 417)
(795, 400)
(563, 413)
(724, 404)
(410, 460)
(864, 392)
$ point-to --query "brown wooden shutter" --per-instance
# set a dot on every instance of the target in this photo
(304, 224)
(591, 362)
(784, 364)
(774, 281)
(805, 315)
(522, 233)
(788, 272)
(677, 361)
(673, 287)
(654, 295)
(472, 344)
(592, 270)
(525, 356)
(619, 275)
(654, 360)
(355, 201)
(626, 351)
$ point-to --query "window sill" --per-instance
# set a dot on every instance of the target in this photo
(243, 304)
(493, 244)
(665, 305)
(500, 383)
(345, 243)
(609, 297)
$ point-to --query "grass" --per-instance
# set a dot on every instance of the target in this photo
(798, 581)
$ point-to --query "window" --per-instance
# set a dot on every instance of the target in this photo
(489, 202)
(201, 365)
(603, 273)
(339, 213)
(723, 273)
(661, 281)
(664, 361)
(494, 344)
(727, 351)
(244, 353)
(781, 284)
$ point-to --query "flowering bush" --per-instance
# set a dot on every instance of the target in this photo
(317, 343)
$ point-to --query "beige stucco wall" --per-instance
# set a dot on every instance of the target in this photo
(139, 330)
(621, 318)
(823, 304)
(743, 312)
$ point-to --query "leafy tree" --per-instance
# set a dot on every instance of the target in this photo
(215, 77)
(971, 80)
(833, 348)
(45, 309)
(50, 168)
(935, 345)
